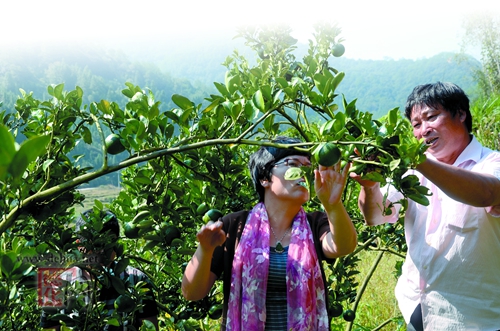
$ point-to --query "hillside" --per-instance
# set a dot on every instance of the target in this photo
(168, 68)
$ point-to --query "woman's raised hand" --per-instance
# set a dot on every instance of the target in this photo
(329, 183)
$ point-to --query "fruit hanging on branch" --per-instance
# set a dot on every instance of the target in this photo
(212, 215)
(113, 144)
(327, 154)
(338, 50)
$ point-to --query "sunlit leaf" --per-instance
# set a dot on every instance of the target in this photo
(336, 80)
(394, 164)
(47, 163)
(28, 152)
(293, 174)
(58, 91)
(258, 101)
(7, 150)
(183, 102)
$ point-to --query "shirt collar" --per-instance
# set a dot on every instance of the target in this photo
(471, 153)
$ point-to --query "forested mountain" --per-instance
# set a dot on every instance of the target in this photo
(166, 68)
(378, 85)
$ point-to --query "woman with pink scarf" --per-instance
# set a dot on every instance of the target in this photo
(270, 257)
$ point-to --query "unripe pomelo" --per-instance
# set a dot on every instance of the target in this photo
(113, 144)
(131, 230)
(212, 215)
(349, 315)
(338, 50)
(328, 154)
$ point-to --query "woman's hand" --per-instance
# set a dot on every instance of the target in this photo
(198, 279)
(329, 183)
(211, 235)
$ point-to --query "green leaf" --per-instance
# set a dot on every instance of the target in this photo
(121, 266)
(86, 135)
(7, 150)
(117, 283)
(7, 262)
(147, 326)
(183, 102)
(258, 101)
(374, 176)
(251, 112)
(394, 164)
(113, 321)
(173, 116)
(336, 80)
(58, 91)
(28, 152)
(98, 204)
(129, 93)
(321, 82)
(233, 83)
(419, 198)
(266, 91)
(293, 174)
(47, 164)
(222, 89)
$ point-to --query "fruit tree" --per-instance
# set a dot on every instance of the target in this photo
(179, 164)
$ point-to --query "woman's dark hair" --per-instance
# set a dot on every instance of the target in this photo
(447, 95)
(263, 160)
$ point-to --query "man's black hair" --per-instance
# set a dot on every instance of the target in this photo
(447, 95)
(263, 160)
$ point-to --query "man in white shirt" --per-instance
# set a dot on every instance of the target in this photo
(450, 279)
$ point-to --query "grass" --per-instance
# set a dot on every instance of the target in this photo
(378, 309)
(105, 194)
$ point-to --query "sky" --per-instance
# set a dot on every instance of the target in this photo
(382, 29)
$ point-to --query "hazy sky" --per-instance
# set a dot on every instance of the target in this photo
(372, 29)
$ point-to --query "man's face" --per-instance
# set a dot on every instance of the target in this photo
(446, 136)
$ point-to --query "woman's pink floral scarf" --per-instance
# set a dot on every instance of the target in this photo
(306, 290)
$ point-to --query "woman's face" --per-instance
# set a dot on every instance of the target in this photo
(288, 190)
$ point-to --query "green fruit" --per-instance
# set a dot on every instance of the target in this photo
(357, 168)
(202, 208)
(215, 312)
(338, 50)
(335, 310)
(124, 304)
(113, 144)
(170, 232)
(131, 230)
(212, 215)
(328, 155)
(349, 315)
(389, 228)
(140, 216)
